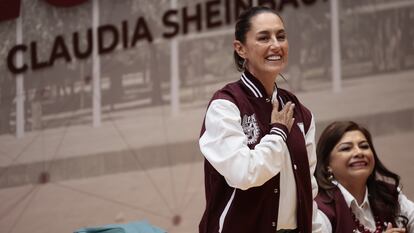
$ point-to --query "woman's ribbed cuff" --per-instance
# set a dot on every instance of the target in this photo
(279, 129)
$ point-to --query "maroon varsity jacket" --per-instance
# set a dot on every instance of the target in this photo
(334, 206)
(256, 209)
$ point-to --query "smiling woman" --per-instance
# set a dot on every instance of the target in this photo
(264, 50)
(352, 161)
(357, 193)
(258, 140)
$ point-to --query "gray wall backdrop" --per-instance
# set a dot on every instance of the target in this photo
(146, 144)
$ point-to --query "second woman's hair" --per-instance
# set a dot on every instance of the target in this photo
(383, 199)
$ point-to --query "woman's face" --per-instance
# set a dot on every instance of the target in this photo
(352, 160)
(266, 45)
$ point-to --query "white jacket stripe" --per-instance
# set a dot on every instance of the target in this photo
(226, 209)
(251, 86)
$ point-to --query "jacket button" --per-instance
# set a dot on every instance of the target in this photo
(276, 190)
(273, 224)
(295, 167)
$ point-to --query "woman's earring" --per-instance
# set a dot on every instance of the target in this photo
(330, 174)
(244, 64)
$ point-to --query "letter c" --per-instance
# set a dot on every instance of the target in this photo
(10, 58)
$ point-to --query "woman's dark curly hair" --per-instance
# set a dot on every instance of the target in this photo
(382, 183)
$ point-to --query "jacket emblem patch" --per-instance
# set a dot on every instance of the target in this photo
(250, 128)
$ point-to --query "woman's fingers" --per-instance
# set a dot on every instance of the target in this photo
(394, 230)
(291, 123)
(284, 116)
(290, 110)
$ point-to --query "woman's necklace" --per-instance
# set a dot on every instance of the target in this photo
(361, 228)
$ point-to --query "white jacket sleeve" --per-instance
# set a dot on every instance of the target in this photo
(224, 145)
(317, 221)
(407, 209)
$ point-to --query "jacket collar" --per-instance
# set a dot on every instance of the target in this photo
(256, 88)
(350, 199)
(253, 85)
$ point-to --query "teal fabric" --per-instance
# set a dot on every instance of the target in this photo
(132, 227)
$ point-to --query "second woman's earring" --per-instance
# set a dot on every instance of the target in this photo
(330, 174)
(244, 64)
